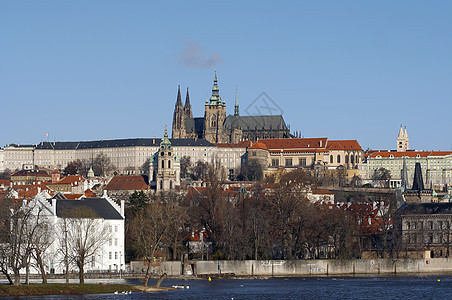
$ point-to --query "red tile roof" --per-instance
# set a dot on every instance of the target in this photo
(258, 145)
(5, 182)
(127, 183)
(344, 145)
(295, 143)
(73, 180)
(409, 153)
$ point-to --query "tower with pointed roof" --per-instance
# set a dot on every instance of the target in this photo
(403, 143)
(214, 116)
(236, 105)
(178, 118)
(164, 169)
(187, 107)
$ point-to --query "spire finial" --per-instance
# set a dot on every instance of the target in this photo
(236, 106)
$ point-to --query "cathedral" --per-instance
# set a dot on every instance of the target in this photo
(216, 127)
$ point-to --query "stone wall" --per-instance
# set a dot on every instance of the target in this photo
(304, 267)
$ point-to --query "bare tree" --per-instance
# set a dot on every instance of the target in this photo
(86, 234)
(149, 228)
(102, 165)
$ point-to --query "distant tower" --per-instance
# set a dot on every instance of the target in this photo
(187, 107)
(178, 118)
(236, 105)
(418, 182)
(214, 116)
(403, 143)
(165, 167)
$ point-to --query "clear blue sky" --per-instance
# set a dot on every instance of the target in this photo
(85, 70)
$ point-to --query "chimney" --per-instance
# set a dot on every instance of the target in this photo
(54, 202)
(122, 208)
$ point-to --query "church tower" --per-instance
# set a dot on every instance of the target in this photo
(214, 116)
(187, 107)
(403, 143)
(179, 118)
(165, 167)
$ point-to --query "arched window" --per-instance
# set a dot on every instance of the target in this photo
(169, 164)
(161, 184)
(331, 159)
(338, 159)
(346, 159)
(356, 159)
(163, 164)
(352, 159)
(171, 184)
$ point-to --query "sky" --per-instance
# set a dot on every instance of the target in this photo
(92, 70)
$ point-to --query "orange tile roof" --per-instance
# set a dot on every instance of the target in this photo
(73, 180)
(295, 143)
(323, 192)
(344, 145)
(127, 183)
(258, 145)
(5, 182)
(409, 153)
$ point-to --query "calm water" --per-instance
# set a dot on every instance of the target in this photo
(294, 288)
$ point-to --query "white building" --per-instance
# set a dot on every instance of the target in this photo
(127, 155)
(436, 166)
(110, 219)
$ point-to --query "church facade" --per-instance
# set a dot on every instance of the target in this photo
(216, 127)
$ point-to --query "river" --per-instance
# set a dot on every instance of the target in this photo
(408, 287)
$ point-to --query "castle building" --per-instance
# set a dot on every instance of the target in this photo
(216, 127)
(164, 169)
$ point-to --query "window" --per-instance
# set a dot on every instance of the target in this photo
(116, 242)
(288, 162)
(338, 159)
(109, 255)
(352, 159)
(169, 164)
(93, 261)
(171, 184)
(346, 159)
(430, 225)
(116, 255)
(302, 162)
(109, 242)
(163, 164)
(110, 228)
(331, 159)
(275, 162)
(116, 228)
(254, 153)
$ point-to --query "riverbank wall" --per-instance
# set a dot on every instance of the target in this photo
(299, 268)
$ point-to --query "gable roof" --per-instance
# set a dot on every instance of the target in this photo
(295, 143)
(426, 209)
(100, 206)
(412, 154)
(247, 123)
(127, 183)
(344, 145)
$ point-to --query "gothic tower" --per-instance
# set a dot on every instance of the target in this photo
(187, 107)
(178, 118)
(403, 143)
(214, 116)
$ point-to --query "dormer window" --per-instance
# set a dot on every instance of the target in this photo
(418, 156)
(391, 156)
(169, 153)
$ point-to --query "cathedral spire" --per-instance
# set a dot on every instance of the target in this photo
(236, 106)
(215, 99)
(179, 98)
(187, 107)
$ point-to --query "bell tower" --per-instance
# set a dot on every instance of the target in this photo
(214, 116)
(167, 165)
